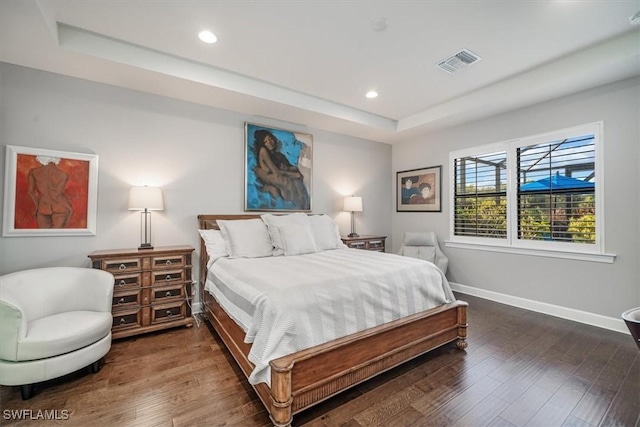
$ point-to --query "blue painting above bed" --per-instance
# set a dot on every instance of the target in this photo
(278, 169)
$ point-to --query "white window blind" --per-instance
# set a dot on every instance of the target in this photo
(481, 195)
(556, 191)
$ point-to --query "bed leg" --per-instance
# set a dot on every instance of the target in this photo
(279, 424)
(461, 343)
(281, 398)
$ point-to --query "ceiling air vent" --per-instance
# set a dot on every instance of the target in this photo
(459, 61)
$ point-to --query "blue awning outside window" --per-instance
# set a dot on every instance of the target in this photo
(557, 182)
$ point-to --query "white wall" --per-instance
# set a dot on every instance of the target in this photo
(194, 153)
(604, 289)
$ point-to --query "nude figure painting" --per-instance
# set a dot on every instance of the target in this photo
(277, 169)
(50, 192)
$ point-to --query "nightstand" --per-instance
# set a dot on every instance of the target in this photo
(369, 243)
(152, 288)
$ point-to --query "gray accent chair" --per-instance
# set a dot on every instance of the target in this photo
(424, 245)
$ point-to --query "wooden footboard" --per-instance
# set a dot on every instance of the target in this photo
(307, 377)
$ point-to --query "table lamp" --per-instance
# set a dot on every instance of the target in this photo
(353, 204)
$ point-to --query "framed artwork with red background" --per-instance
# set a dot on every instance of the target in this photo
(49, 193)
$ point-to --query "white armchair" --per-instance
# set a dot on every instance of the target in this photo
(53, 321)
(424, 245)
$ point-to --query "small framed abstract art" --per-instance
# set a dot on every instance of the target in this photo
(278, 169)
(419, 190)
(49, 193)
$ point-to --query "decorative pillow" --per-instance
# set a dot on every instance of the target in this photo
(296, 239)
(274, 221)
(214, 243)
(420, 238)
(325, 233)
(247, 238)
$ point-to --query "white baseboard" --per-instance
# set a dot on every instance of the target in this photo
(592, 319)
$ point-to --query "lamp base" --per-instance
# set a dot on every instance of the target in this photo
(353, 235)
(145, 231)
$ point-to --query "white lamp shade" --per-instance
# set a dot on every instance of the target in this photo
(141, 198)
(353, 204)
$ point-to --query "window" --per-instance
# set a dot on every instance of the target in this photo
(540, 192)
(556, 188)
(481, 195)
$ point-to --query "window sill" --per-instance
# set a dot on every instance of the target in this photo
(580, 256)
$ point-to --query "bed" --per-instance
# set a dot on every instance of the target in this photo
(306, 377)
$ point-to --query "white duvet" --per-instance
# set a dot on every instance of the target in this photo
(288, 304)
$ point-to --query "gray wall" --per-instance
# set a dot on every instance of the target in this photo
(605, 289)
(194, 153)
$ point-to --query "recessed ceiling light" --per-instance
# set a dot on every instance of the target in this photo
(372, 94)
(207, 37)
(380, 24)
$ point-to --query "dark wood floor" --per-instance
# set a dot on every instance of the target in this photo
(520, 369)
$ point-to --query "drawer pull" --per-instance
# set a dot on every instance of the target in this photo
(168, 294)
(168, 277)
(168, 262)
(122, 321)
(122, 267)
(169, 313)
(122, 283)
(121, 301)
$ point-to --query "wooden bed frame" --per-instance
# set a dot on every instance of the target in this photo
(302, 379)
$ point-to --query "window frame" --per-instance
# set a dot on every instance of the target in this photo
(511, 243)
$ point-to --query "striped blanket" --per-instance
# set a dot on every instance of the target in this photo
(288, 304)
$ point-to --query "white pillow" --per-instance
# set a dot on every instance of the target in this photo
(274, 221)
(214, 243)
(247, 238)
(296, 239)
(325, 233)
(420, 238)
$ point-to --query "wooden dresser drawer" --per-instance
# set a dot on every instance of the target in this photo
(168, 312)
(357, 244)
(127, 298)
(167, 277)
(165, 293)
(127, 281)
(116, 266)
(127, 319)
(167, 262)
(375, 245)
